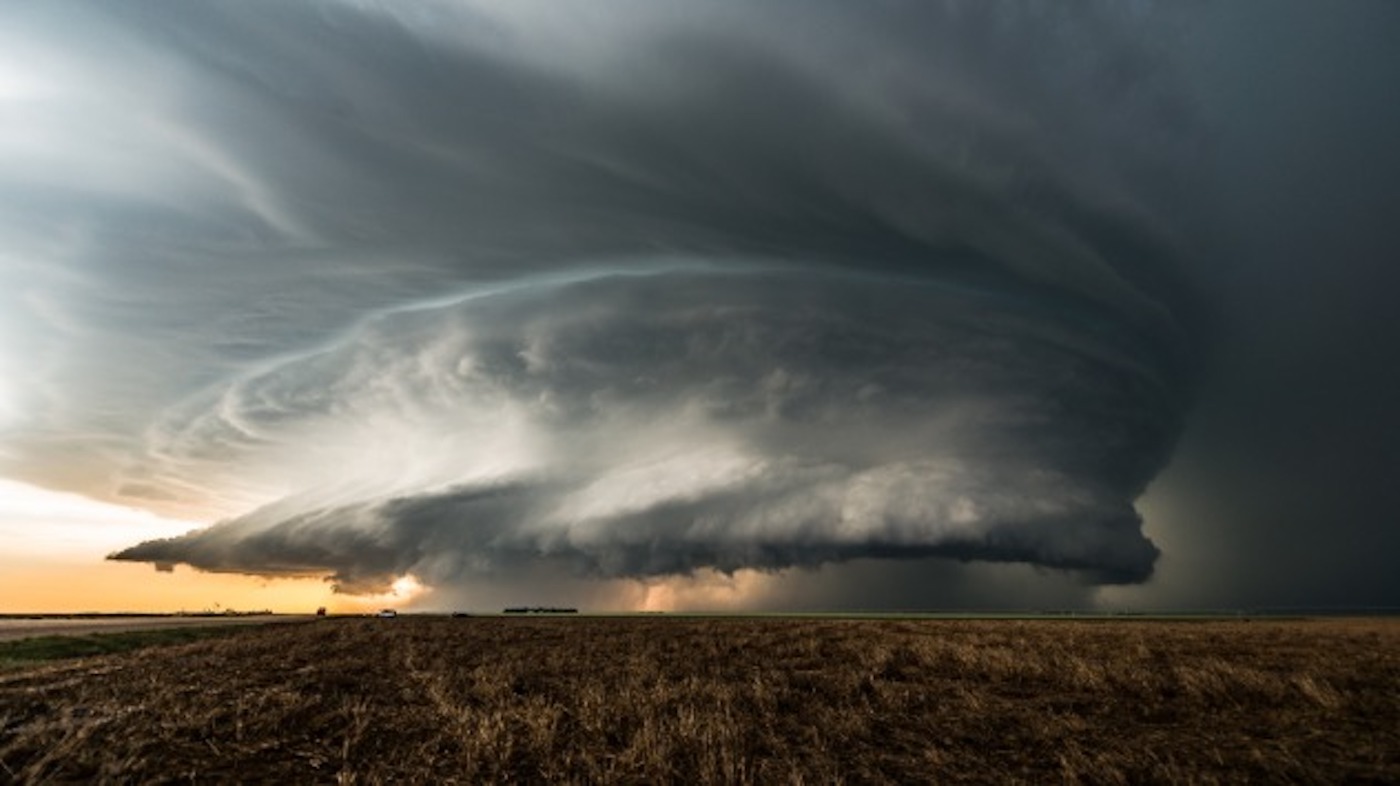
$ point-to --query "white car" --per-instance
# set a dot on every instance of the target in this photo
(387, 614)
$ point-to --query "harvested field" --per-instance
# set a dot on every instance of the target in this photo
(722, 701)
(12, 628)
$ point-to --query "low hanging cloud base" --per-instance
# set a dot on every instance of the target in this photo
(657, 424)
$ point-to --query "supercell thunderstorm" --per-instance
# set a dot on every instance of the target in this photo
(701, 286)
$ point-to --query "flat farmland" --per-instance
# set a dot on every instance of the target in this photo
(721, 700)
(23, 627)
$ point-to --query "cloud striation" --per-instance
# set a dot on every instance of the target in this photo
(639, 291)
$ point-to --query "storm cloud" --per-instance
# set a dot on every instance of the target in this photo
(654, 424)
(461, 290)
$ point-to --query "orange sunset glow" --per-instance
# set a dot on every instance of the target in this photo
(62, 567)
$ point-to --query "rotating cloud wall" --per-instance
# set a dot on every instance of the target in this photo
(643, 289)
(644, 425)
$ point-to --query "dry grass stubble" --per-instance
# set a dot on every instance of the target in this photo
(722, 701)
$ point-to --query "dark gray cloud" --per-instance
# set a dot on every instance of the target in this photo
(265, 176)
(478, 291)
(1281, 494)
(456, 289)
(656, 424)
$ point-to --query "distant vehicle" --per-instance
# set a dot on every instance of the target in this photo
(321, 612)
(387, 614)
(460, 614)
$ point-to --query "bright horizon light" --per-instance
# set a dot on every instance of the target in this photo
(63, 567)
(55, 523)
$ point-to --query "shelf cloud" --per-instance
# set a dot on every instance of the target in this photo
(652, 424)
(635, 290)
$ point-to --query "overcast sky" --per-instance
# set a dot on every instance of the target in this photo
(782, 305)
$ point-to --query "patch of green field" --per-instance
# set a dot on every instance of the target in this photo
(40, 649)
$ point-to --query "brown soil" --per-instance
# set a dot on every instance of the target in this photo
(438, 700)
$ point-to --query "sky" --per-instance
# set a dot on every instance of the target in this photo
(699, 305)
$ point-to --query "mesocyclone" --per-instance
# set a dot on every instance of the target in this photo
(641, 289)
